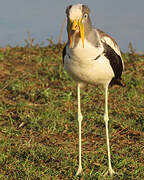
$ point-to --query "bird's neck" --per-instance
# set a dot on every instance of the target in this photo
(93, 38)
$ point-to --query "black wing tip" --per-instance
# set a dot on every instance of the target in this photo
(119, 82)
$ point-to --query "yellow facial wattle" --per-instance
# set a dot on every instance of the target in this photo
(73, 26)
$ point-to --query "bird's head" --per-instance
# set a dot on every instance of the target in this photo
(78, 21)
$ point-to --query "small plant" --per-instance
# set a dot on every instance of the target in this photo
(30, 41)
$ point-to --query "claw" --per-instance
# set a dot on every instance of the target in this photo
(111, 172)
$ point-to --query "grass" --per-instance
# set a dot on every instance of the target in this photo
(38, 119)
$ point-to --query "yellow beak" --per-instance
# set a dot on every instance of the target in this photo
(73, 27)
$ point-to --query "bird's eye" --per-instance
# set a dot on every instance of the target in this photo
(85, 15)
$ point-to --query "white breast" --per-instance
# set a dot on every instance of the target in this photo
(80, 63)
(84, 54)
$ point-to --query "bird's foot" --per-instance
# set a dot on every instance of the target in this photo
(110, 172)
(79, 171)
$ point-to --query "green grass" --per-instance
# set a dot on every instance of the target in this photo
(38, 119)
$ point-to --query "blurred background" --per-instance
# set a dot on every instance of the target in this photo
(124, 20)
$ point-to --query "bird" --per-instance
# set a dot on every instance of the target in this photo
(91, 56)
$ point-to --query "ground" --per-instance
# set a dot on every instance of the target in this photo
(38, 119)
